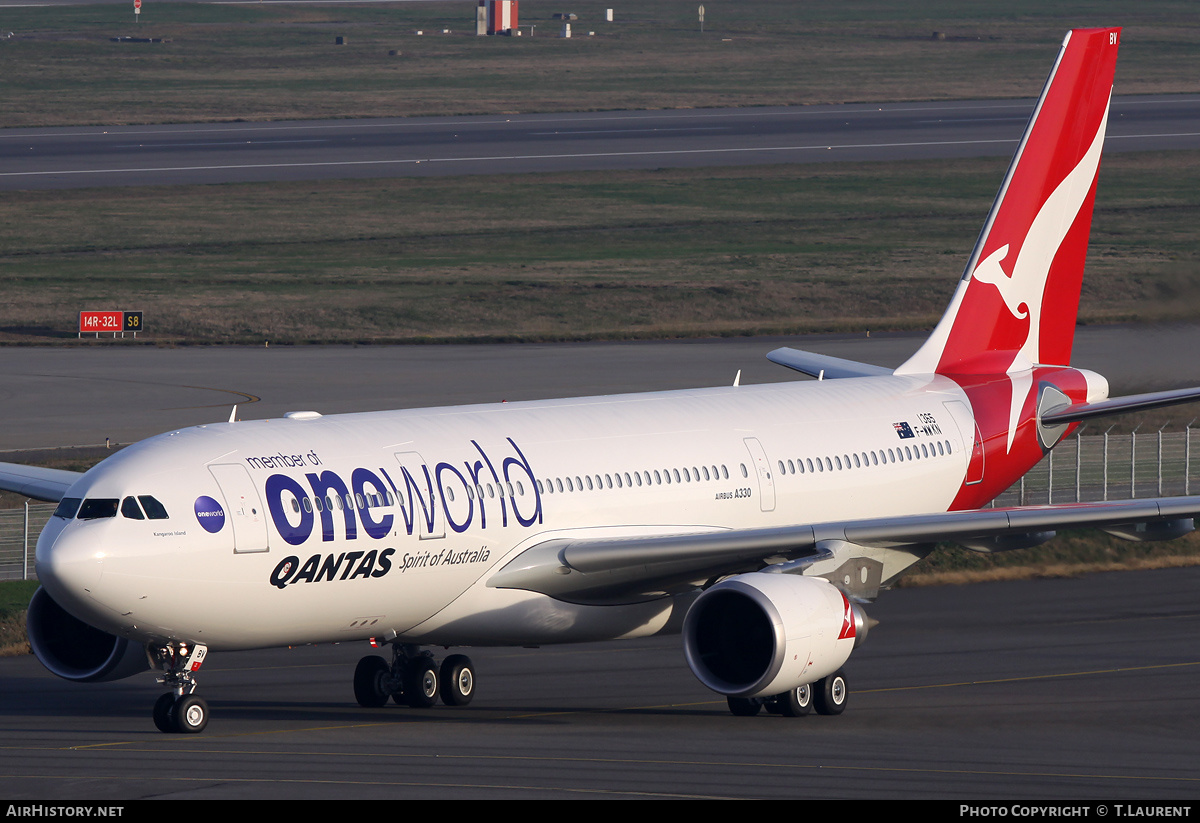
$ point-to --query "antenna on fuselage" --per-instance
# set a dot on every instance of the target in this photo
(233, 414)
(737, 379)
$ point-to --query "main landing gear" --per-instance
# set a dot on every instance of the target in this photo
(413, 678)
(828, 696)
(179, 710)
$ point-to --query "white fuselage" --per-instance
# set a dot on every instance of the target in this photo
(389, 524)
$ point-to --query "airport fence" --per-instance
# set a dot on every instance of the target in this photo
(1090, 468)
(19, 530)
(1082, 468)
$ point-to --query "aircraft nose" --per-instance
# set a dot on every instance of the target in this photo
(69, 562)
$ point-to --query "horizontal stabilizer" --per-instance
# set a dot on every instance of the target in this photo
(1120, 405)
(33, 481)
(824, 365)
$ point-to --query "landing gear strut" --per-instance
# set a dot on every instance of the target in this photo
(414, 678)
(179, 710)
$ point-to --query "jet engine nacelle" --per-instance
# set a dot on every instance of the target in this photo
(763, 634)
(73, 650)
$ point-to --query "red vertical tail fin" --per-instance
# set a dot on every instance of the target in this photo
(1018, 299)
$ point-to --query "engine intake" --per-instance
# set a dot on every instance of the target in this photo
(73, 650)
(762, 634)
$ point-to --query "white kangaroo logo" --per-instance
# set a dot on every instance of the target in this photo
(1023, 290)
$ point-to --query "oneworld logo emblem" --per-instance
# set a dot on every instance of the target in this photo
(210, 514)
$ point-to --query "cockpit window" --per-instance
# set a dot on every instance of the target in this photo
(154, 509)
(67, 507)
(131, 509)
(95, 508)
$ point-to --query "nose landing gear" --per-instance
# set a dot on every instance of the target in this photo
(179, 710)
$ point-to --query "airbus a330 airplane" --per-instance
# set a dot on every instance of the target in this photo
(756, 520)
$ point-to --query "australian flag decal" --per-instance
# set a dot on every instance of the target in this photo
(904, 430)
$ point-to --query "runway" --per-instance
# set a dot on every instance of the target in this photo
(1077, 690)
(426, 147)
(55, 397)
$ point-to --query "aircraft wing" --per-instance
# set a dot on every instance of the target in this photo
(33, 481)
(588, 570)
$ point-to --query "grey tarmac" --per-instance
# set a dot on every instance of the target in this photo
(1073, 689)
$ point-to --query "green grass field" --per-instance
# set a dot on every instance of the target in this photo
(595, 255)
(14, 597)
(654, 254)
(248, 62)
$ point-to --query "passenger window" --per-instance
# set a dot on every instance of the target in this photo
(98, 508)
(131, 509)
(67, 507)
